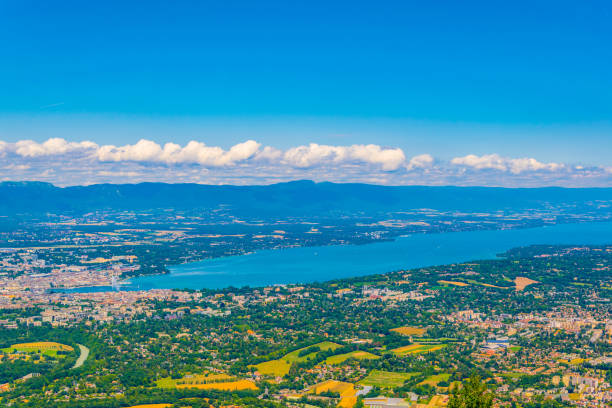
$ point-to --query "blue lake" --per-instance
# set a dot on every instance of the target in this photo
(302, 265)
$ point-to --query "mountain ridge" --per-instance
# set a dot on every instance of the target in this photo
(295, 197)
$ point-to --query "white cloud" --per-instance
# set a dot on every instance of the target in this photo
(144, 150)
(17, 167)
(421, 161)
(194, 152)
(388, 159)
(491, 161)
(106, 173)
(65, 163)
(53, 146)
(172, 153)
(269, 153)
(497, 162)
(315, 154)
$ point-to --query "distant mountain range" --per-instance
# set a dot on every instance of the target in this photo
(299, 198)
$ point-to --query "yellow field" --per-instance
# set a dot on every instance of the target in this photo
(409, 331)
(445, 282)
(522, 282)
(574, 361)
(224, 386)
(193, 380)
(437, 401)
(418, 348)
(359, 355)
(347, 402)
(281, 366)
(488, 285)
(42, 346)
(151, 406)
(343, 388)
(278, 368)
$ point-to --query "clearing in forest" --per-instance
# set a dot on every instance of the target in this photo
(522, 282)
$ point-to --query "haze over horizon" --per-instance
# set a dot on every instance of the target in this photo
(476, 94)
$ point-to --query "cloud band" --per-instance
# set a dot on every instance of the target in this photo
(64, 162)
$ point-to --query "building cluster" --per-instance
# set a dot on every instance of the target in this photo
(22, 270)
(66, 309)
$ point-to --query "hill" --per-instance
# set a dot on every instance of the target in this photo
(293, 198)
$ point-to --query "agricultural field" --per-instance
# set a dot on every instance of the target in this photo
(488, 285)
(345, 389)
(195, 379)
(280, 367)
(277, 368)
(417, 349)
(522, 282)
(294, 356)
(386, 379)
(455, 283)
(47, 348)
(223, 386)
(151, 406)
(433, 380)
(437, 401)
(347, 402)
(409, 331)
(359, 355)
(424, 340)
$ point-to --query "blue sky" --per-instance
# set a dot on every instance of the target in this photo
(517, 79)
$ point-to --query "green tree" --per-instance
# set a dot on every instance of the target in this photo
(473, 394)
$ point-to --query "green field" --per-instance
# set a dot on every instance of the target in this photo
(385, 379)
(417, 349)
(280, 367)
(434, 340)
(44, 348)
(52, 353)
(294, 357)
(433, 380)
(359, 355)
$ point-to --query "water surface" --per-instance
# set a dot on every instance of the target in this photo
(302, 265)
